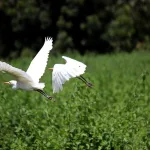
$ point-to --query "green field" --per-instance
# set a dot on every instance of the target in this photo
(113, 115)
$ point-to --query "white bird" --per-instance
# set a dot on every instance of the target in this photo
(63, 72)
(29, 80)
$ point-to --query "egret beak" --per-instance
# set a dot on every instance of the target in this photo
(6, 82)
(50, 68)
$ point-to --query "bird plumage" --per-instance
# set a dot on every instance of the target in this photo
(38, 64)
(18, 74)
(30, 80)
(63, 72)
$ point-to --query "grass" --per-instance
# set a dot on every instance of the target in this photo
(114, 114)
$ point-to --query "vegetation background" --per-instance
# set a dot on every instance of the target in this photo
(75, 25)
(115, 113)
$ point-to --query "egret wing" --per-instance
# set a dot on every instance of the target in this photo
(38, 64)
(19, 74)
(60, 75)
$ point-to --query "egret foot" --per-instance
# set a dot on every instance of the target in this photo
(43, 93)
(85, 81)
(89, 84)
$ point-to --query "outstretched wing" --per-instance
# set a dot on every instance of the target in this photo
(38, 64)
(19, 74)
(63, 72)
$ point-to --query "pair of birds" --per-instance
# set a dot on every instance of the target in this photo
(29, 80)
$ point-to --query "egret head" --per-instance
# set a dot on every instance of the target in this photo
(12, 82)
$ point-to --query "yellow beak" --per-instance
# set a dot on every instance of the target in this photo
(50, 68)
(6, 82)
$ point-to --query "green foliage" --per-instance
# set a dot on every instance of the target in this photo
(63, 43)
(120, 31)
(100, 26)
(114, 114)
(25, 11)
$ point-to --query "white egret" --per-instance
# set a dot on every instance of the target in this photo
(29, 80)
(63, 72)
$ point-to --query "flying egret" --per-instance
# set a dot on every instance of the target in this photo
(29, 80)
(63, 72)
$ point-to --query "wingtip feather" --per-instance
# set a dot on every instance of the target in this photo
(47, 39)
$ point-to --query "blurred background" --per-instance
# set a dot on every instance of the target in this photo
(75, 25)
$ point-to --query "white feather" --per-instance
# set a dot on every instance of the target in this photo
(77, 66)
(38, 64)
(63, 72)
(19, 74)
(29, 80)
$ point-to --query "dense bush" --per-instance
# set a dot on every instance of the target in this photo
(82, 25)
(114, 114)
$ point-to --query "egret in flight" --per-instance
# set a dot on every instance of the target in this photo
(29, 80)
(63, 72)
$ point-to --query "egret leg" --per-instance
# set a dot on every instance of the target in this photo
(85, 81)
(43, 93)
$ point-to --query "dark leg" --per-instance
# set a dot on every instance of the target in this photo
(85, 81)
(43, 93)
